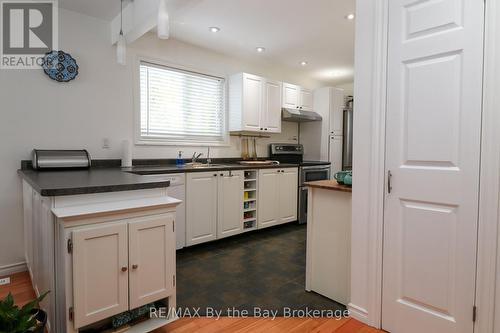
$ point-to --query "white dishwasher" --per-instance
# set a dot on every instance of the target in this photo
(177, 190)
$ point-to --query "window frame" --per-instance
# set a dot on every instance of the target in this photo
(142, 141)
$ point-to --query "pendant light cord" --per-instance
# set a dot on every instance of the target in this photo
(121, 17)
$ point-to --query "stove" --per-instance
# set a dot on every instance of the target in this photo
(313, 163)
(308, 170)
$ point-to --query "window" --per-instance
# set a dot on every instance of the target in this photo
(179, 106)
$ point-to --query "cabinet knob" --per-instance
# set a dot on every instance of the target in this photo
(215, 175)
(124, 269)
(221, 174)
(261, 129)
(265, 129)
(135, 266)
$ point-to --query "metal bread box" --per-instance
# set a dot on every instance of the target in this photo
(60, 159)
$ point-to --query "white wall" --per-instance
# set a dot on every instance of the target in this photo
(37, 112)
(348, 88)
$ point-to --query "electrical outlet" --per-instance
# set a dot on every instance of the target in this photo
(105, 143)
(4, 281)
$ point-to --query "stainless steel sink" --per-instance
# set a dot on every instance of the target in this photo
(202, 165)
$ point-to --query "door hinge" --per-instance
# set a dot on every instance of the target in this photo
(71, 313)
(474, 313)
(173, 226)
(70, 246)
(173, 280)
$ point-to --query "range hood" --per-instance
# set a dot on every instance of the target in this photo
(300, 116)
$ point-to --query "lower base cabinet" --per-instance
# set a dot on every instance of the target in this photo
(121, 266)
(277, 196)
(214, 205)
(100, 255)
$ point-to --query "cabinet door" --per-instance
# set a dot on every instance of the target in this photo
(151, 259)
(271, 110)
(201, 207)
(306, 99)
(336, 111)
(290, 96)
(230, 203)
(268, 209)
(252, 102)
(288, 188)
(100, 273)
(335, 154)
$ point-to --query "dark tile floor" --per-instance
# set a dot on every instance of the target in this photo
(264, 269)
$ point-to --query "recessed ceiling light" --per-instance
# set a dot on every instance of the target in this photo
(214, 29)
(303, 63)
(260, 49)
(350, 16)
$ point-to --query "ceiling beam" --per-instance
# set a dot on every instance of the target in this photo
(139, 17)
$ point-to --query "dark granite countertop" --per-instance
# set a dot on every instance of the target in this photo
(114, 179)
(95, 180)
(166, 169)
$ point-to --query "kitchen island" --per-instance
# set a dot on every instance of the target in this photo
(329, 240)
(97, 239)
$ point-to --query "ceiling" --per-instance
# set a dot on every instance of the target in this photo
(291, 31)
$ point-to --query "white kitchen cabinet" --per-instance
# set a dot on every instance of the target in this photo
(336, 110)
(335, 154)
(79, 244)
(121, 265)
(268, 212)
(230, 203)
(254, 104)
(296, 97)
(152, 268)
(277, 196)
(306, 99)
(100, 273)
(291, 96)
(287, 200)
(271, 111)
(201, 207)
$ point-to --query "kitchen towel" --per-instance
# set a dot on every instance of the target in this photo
(126, 153)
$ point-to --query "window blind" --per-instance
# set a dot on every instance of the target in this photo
(179, 105)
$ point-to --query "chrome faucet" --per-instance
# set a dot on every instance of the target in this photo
(196, 157)
(209, 160)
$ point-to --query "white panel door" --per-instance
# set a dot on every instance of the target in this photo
(335, 154)
(201, 207)
(230, 203)
(306, 99)
(151, 259)
(291, 95)
(268, 198)
(100, 273)
(433, 151)
(271, 110)
(287, 197)
(252, 102)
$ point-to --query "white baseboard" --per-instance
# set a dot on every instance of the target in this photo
(13, 268)
(358, 313)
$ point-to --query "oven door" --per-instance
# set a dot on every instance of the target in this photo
(310, 174)
(302, 205)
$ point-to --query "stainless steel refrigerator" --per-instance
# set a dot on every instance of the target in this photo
(347, 140)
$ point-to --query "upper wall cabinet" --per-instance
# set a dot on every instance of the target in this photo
(254, 104)
(296, 97)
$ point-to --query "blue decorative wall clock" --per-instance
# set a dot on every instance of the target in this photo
(60, 66)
